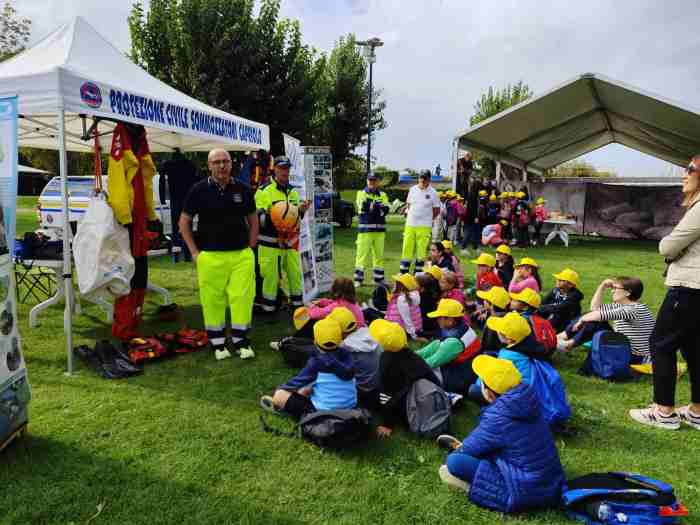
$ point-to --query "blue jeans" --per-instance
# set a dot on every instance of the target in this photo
(462, 466)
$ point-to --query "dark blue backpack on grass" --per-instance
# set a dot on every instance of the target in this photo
(609, 357)
(616, 498)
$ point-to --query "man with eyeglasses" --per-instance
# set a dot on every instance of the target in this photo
(227, 231)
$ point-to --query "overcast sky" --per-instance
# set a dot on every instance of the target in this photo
(440, 55)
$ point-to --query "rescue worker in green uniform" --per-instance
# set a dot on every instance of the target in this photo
(372, 207)
(280, 211)
(227, 231)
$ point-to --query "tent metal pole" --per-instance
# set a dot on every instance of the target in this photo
(67, 270)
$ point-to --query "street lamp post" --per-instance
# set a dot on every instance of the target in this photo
(368, 47)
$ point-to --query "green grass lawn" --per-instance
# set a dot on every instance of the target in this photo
(182, 443)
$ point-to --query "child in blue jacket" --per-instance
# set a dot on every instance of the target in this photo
(509, 462)
(327, 382)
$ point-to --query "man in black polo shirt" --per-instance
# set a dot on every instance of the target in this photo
(227, 230)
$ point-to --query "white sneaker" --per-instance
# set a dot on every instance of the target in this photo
(452, 481)
(654, 418)
(275, 345)
(245, 353)
(688, 417)
(357, 284)
(222, 354)
(562, 343)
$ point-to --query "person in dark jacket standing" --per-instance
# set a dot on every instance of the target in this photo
(509, 463)
(563, 303)
(399, 368)
(677, 323)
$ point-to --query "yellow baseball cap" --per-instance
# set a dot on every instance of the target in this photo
(504, 249)
(492, 198)
(529, 297)
(541, 200)
(448, 308)
(500, 375)
(300, 317)
(327, 334)
(390, 336)
(485, 259)
(483, 193)
(567, 274)
(503, 195)
(407, 280)
(512, 325)
(447, 244)
(496, 295)
(520, 194)
(435, 271)
(527, 261)
(345, 318)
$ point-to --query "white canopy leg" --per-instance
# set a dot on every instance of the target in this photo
(67, 264)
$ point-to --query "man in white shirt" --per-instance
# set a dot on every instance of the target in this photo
(422, 207)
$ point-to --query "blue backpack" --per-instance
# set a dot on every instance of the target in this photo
(616, 498)
(551, 392)
(610, 356)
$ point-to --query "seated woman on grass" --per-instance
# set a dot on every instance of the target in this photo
(628, 316)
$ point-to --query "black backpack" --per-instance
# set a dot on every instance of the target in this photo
(331, 429)
(296, 351)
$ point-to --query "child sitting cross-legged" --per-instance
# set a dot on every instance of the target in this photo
(451, 355)
(486, 278)
(399, 368)
(327, 382)
(404, 305)
(517, 345)
(526, 276)
(365, 353)
(509, 462)
(563, 303)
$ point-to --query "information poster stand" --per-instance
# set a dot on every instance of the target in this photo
(318, 173)
(14, 387)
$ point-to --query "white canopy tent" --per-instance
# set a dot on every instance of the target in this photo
(580, 116)
(74, 74)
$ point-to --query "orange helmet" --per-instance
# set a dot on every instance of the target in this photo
(285, 216)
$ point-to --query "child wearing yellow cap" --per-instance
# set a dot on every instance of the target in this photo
(365, 354)
(509, 462)
(327, 382)
(539, 215)
(485, 275)
(504, 263)
(496, 302)
(404, 305)
(399, 368)
(526, 276)
(456, 344)
(563, 303)
(517, 345)
(521, 220)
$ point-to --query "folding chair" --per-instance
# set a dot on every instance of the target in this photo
(34, 281)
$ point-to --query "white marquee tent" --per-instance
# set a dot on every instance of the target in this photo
(74, 76)
(582, 115)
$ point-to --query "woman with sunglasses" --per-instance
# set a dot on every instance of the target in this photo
(677, 323)
(625, 315)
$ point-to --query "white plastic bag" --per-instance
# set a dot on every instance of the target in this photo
(101, 252)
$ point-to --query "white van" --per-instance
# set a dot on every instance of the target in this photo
(50, 207)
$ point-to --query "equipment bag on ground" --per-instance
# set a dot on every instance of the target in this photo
(332, 429)
(544, 334)
(617, 498)
(296, 351)
(428, 409)
(609, 357)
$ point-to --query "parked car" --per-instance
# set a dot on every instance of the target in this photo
(343, 211)
(50, 209)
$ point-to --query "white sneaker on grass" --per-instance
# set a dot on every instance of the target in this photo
(245, 353)
(221, 354)
(652, 417)
(275, 345)
(688, 417)
(357, 284)
(452, 481)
